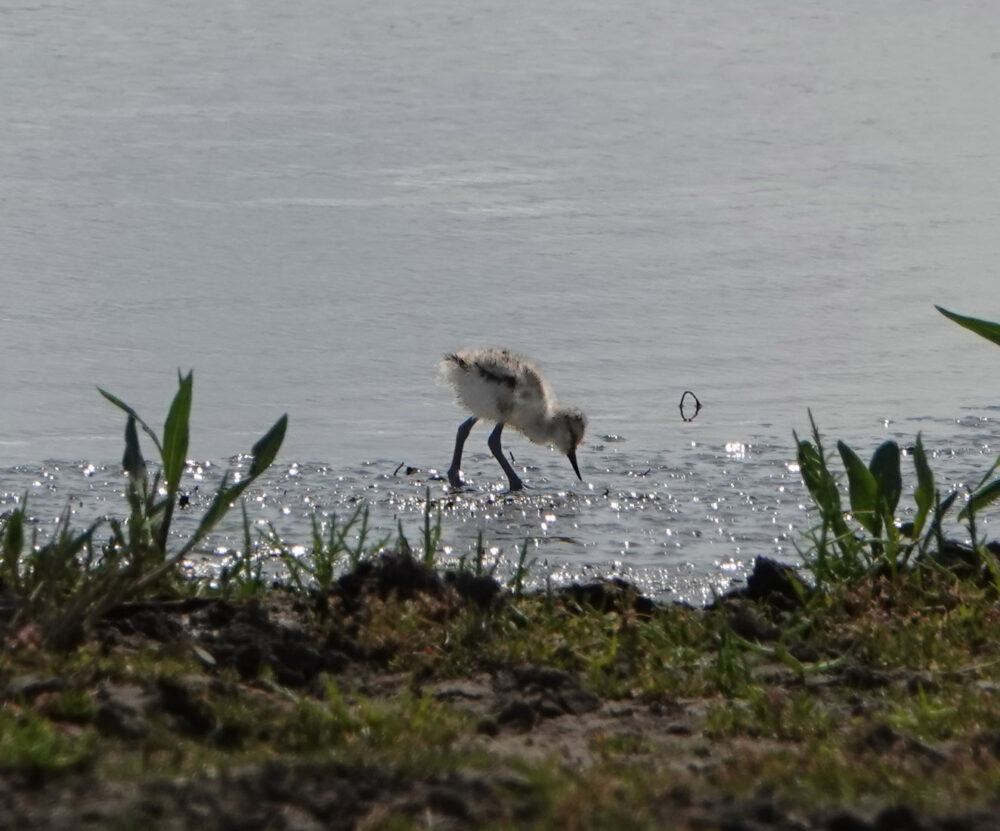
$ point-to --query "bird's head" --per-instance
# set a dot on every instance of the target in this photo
(568, 426)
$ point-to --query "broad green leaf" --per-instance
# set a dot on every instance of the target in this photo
(223, 501)
(13, 543)
(984, 328)
(264, 452)
(128, 410)
(176, 433)
(885, 468)
(863, 490)
(220, 504)
(132, 460)
(986, 495)
(267, 447)
(923, 494)
(821, 485)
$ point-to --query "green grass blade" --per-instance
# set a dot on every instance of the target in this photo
(986, 495)
(863, 490)
(983, 328)
(821, 485)
(516, 582)
(129, 411)
(247, 541)
(73, 545)
(923, 494)
(432, 533)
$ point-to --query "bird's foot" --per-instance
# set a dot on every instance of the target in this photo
(455, 480)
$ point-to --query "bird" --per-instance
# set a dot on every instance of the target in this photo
(499, 386)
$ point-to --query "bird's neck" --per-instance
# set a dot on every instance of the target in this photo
(537, 427)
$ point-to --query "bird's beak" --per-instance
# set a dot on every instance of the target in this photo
(572, 461)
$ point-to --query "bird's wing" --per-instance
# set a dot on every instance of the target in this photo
(531, 389)
(496, 369)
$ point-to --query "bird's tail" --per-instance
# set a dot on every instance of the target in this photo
(452, 367)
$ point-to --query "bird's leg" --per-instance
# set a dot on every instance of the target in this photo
(515, 482)
(456, 460)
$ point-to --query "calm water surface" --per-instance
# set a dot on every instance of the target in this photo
(308, 202)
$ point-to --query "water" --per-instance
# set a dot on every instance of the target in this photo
(308, 203)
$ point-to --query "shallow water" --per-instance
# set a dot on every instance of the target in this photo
(682, 525)
(309, 203)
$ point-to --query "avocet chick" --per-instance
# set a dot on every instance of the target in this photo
(499, 386)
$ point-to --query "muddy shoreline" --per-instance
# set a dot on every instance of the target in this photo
(515, 718)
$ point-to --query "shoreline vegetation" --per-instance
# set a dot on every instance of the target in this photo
(367, 687)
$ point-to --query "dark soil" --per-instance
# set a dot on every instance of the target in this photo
(303, 797)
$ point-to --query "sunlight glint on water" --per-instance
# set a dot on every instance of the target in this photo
(681, 533)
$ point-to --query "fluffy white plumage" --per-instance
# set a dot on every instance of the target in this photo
(499, 386)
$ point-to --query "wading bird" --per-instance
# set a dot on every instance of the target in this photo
(496, 385)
